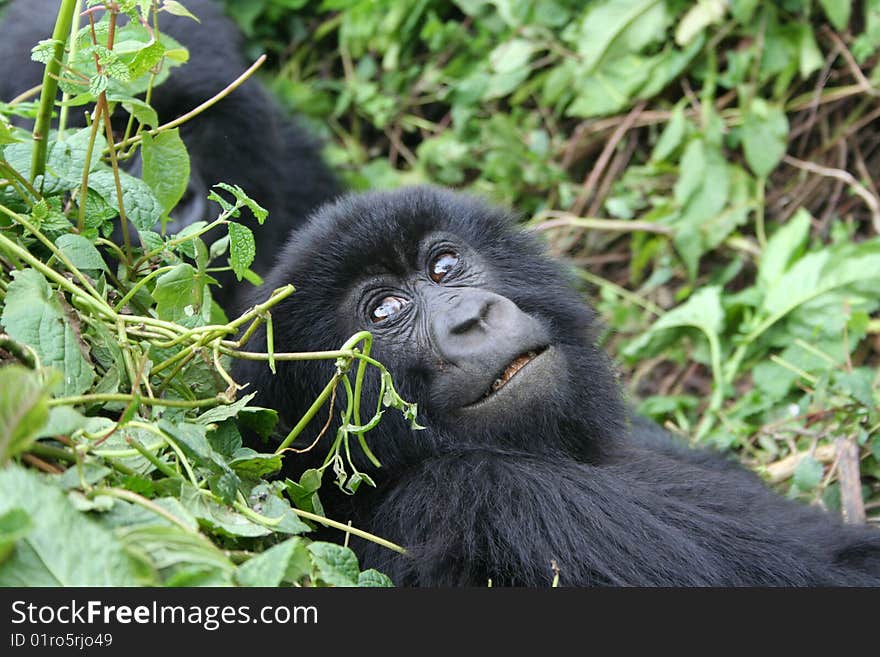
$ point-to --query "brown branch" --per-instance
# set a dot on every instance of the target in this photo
(852, 505)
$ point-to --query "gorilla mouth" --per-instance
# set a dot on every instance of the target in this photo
(512, 369)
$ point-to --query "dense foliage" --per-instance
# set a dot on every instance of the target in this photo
(709, 169)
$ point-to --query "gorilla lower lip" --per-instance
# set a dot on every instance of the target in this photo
(511, 370)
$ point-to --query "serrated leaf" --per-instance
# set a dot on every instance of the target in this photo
(242, 248)
(24, 409)
(166, 167)
(44, 51)
(373, 578)
(334, 564)
(33, 315)
(141, 206)
(81, 252)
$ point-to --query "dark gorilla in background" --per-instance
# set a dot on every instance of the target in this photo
(528, 458)
(245, 139)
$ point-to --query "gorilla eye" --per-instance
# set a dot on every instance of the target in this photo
(388, 307)
(442, 265)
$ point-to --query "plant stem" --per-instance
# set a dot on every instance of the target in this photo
(50, 85)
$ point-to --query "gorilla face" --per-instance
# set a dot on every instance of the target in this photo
(457, 301)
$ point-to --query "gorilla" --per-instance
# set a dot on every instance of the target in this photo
(246, 139)
(530, 465)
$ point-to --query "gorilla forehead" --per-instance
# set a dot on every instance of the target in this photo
(382, 232)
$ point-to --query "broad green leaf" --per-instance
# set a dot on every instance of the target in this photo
(702, 311)
(178, 293)
(33, 315)
(373, 578)
(511, 55)
(785, 245)
(220, 413)
(822, 272)
(764, 136)
(140, 110)
(286, 562)
(242, 248)
(838, 12)
(24, 409)
(698, 18)
(53, 552)
(81, 252)
(166, 167)
(334, 564)
(171, 548)
(248, 463)
(15, 524)
(617, 27)
(141, 206)
(65, 162)
(62, 421)
(146, 58)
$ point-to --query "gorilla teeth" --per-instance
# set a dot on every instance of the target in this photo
(518, 363)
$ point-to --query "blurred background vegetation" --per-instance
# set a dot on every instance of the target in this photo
(709, 169)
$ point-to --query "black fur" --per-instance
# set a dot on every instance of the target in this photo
(567, 480)
(245, 139)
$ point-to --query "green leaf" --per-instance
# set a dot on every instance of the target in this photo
(672, 135)
(53, 552)
(838, 12)
(24, 409)
(373, 578)
(174, 7)
(764, 136)
(811, 59)
(178, 293)
(15, 524)
(808, 473)
(853, 266)
(617, 27)
(242, 248)
(44, 51)
(248, 463)
(166, 167)
(81, 252)
(783, 248)
(698, 18)
(141, 206)
(288, 561)
(334, 564)
(33, 315)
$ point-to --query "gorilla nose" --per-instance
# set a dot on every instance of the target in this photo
(474, 328)
(469, 314)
